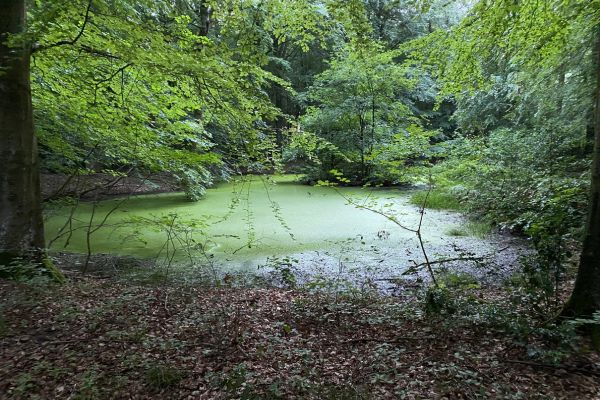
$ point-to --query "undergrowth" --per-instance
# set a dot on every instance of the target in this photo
(439, 199)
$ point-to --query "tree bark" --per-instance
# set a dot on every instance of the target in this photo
(585, 299)
(21, 223)
(204, 14)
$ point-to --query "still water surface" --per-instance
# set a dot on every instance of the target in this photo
(245, 223)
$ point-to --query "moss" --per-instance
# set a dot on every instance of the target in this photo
(19, 267)
(55, 274)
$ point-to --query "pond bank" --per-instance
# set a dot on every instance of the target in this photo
(103, 186)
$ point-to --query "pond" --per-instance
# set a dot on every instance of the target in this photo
(254, 222)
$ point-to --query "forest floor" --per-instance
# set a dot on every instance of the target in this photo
(101, 337)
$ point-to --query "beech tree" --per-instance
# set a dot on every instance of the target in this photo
(143, 85)
(359, 107)
(585, 299)
(21, 224)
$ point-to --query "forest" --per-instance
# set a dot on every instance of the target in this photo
(299, 199)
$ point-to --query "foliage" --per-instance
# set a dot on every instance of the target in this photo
(451, 295)
(140, 88)
(307, 151)
(282, 271)
(24, 269)
(359, 109)
(519, 181)
(356, 91)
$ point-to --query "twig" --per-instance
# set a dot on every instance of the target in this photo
(445, 260)
(422, 212)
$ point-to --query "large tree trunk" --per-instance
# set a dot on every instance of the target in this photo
(21, 224)
(585, 299)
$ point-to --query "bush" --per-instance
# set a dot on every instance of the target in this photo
(526, 181)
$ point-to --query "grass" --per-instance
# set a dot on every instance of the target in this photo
(457, 231)
(478, 229)
(446, 199)
(439, 199)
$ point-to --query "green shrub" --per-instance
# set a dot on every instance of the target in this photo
(439, 301)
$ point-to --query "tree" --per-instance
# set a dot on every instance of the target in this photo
(397, 21)
(359, 107)
(144, 90)
(145, 86)
(531, 36)
(585, 299)
(21, 224)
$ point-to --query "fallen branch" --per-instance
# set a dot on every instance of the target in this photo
(413, 268)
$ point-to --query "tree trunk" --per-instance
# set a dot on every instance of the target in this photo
(585, 299)
(204, 14)
(21, 223)
(362, 148)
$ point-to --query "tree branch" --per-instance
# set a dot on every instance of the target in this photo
(111, 76)
(96, 52)
(36, 47)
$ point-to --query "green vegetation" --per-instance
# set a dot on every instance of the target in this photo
(438, 199)
(222, 189)
(471, 228)
(163, 377)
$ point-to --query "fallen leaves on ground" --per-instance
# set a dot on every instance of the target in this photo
(101, 338)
